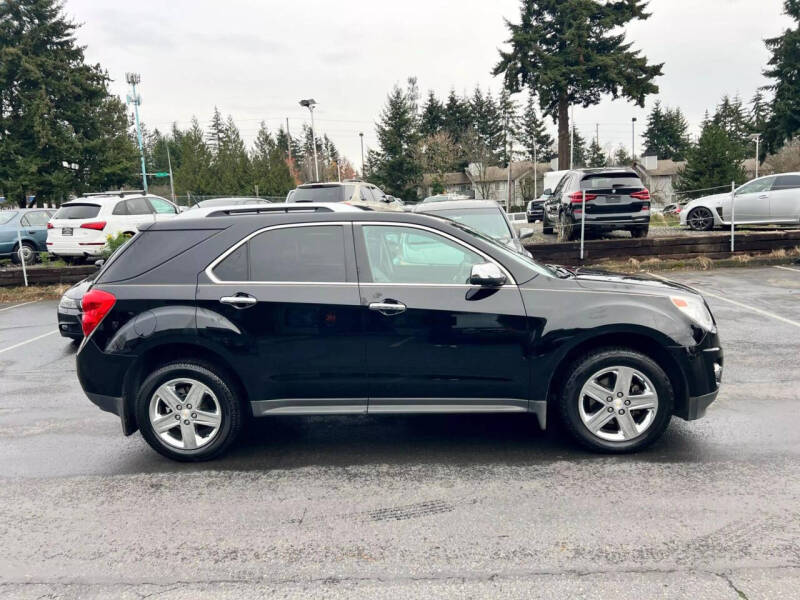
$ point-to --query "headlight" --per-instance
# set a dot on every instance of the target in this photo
(68, 303)
(694, 308)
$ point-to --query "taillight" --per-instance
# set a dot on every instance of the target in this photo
(98, 225)
(95, 305)
(641, 194)
(577, 197)
(49, 225)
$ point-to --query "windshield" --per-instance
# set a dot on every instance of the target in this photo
(489, 221)
(332, 193)
(6, 216)
(77, 211)
(508, 252)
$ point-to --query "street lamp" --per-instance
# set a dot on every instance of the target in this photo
(133, 98)
(756, 137)
(310, 103)
(633, 138)
(361, 135)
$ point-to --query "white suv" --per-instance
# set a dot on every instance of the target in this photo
(80, 227)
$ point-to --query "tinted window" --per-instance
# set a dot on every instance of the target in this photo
(307, 254)
(786, 182)
(37, 218)
(561, 183)
(610, 181)
(332, 193)
(234, 266)
(489, 221)
(121, 208)
(77, 211)
(756, 186)
(378, 195)
(138, 206)
(410, 255)
(161, 206)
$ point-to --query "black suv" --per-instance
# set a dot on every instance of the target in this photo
(196, 324)
(615, 199)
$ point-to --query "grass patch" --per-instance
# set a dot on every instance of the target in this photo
(33, 292)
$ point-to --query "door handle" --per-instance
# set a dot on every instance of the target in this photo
(238, 301)
(764, 196)
(388, 308)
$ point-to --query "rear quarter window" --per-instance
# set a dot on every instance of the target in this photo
(77, 211)
(332, 193)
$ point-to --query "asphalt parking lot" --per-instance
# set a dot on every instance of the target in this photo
(407, 507)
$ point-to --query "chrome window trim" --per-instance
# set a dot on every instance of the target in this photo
(445, 235)
(214, 279)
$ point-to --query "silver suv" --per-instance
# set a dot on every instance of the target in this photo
(356, 193)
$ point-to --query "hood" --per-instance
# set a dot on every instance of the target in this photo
(599, 280)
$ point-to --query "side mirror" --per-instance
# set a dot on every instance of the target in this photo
(547, 192)
(525, 233)
(99, 263)
(487, 275)
(388, 199)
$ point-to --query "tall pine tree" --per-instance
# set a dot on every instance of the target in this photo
(533, 136)
(432, 118)
(667, 133)
(713, 162)
(784, 70)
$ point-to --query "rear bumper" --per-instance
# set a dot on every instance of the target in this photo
(102, 378)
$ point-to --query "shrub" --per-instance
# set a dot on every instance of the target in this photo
(114, 242)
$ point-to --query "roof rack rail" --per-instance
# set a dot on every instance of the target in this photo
(119, 193)
(259, 209)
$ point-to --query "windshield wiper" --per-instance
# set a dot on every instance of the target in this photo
(561, 271)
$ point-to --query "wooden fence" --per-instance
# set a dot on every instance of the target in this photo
(45, 275)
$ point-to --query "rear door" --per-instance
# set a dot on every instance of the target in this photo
(290, 296)
(162, 209)
(784, 201)
(34, 224)
(435, 343)
(139, 212)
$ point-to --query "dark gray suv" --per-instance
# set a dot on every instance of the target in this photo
(616, 199)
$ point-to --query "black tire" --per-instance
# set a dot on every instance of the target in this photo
(530, 220)
(29, 250)
(700, 219)
(566, 228)
(583, 368)
(229, 403)
(640, 232)
(546, 227)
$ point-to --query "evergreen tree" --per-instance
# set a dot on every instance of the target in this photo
(595, 157)
(231, 168)
(394, 167)
(432, 119)
(759, 113)
(457, 118)
(508, 113)
(784, 70)
(579, 154)
(216, 131)
(667, 133)
(269, 167)
(194, 173)
(620, 157)
(714, 161)
(55, 109)
(572, 52)
(732, 117)
(486, 122)
(532, 134)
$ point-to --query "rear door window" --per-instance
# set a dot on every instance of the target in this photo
(138, 206)
(121, 208)
(786, 182)
(77, 211)
(38, 218)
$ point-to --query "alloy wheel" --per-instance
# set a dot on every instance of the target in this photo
(701, 219)
(185, 414)
(618, 403)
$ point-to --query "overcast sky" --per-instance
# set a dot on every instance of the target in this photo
(256, 59)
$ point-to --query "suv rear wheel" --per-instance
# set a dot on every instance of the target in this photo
(566, 228)
(616, 400)
(186, 411)
(546, 226)
(640, 232)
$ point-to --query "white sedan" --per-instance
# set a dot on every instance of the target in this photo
(770, 199)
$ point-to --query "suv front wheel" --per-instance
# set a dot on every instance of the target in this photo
(616, 400)
(187, 412)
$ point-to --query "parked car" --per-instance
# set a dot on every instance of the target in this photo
(197, 324)
(357, 193)
(27, 224)
(485, 216)
(226, 202)
(69, 309)
(80, 227)
(615, 199)
(671, 209)
(444, 198)
(535, 209)
(774, 199)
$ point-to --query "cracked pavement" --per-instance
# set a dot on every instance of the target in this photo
(463, 506)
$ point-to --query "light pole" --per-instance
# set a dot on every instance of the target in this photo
(135, 99)
(756, 137)
(633, 140)
(361, 135)
(310, 104)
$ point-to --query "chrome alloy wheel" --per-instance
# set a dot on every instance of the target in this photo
(185, 413)
(700, 219)
(618, 404)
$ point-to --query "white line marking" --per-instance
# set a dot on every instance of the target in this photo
(38, 337)
(747, 306)
(786, 268)
(18, 305)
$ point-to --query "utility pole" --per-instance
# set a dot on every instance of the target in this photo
(572, 137)
(171, 182)
(135, 99)
(597, 133)
(361, 135)
(756, 137)
(288, 139)
(310, 104)
(633, 138)
(535, 167)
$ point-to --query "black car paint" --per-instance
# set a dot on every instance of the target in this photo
(318, 348)
(69, 319)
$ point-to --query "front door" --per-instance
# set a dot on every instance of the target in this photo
(284, 305)
(751, 202)
(434, 342)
